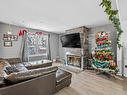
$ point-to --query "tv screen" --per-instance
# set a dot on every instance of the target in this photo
(71, 40)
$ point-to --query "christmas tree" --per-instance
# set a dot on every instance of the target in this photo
(104, 57)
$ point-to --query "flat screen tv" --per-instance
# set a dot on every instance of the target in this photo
(71, 40)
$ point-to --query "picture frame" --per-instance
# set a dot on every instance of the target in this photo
(9, 37)
(7, 43)
(14, 38)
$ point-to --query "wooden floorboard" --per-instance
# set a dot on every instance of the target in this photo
(88, 83)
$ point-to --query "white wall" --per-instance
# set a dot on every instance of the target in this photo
(7, 52)
(122, 7)
(11, 52)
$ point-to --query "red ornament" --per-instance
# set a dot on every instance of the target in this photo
(40, 33)
(22, 32)
(110, 57)
(101, 56)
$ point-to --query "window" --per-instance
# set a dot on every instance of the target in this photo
(37, 44)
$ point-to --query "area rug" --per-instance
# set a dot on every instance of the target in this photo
(70, 68)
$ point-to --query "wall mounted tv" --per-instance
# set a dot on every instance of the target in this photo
(71, 40)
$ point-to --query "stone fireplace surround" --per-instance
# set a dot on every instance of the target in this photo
(81, 52)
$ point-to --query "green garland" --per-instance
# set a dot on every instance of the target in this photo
(113, 17)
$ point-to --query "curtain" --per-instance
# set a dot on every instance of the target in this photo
(23, 50)
(49, 52)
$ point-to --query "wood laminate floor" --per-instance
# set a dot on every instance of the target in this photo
(88, 83)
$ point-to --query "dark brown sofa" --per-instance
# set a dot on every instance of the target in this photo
(39, 81)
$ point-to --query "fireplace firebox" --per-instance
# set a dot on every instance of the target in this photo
(74, 60)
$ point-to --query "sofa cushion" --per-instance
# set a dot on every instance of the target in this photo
(13, 61)
(15, 68)
(4, 63)
(37, 64)
(25, 75)
(62, 75)
(20, 67)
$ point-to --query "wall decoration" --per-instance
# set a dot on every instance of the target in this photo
(9, 37)
(22, 32)
(113, 17)
(8, 43)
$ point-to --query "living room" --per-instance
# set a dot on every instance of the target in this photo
(63, 47)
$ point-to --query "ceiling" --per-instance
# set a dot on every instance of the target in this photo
(52, 15)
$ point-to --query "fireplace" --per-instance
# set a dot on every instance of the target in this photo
(77, 57)
(74, 60)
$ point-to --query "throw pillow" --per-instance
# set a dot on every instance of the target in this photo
(10, 69)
